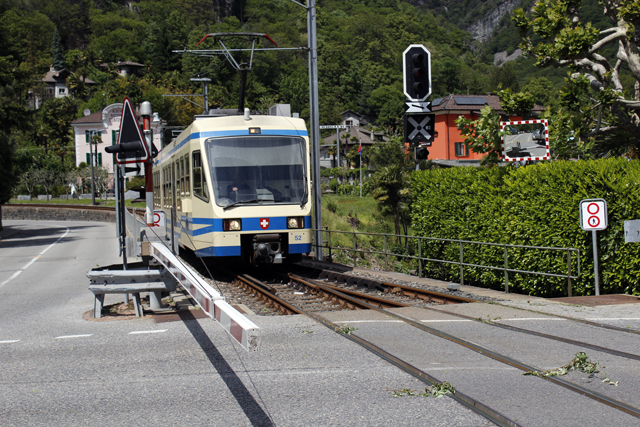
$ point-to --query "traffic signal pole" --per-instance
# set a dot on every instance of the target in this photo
(419, 128)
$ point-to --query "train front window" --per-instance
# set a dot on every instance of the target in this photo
(257, 169)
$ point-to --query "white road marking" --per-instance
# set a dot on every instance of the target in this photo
(27, 265)
(367, 321)
(148, 332)
(62, 337)
(531, 318)
(8, 341)
(446, 320)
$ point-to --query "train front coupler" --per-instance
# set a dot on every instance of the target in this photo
(267, 249)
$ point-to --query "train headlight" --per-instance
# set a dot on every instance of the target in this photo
(295, 222)
(231, 224)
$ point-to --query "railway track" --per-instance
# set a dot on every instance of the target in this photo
(287, 293)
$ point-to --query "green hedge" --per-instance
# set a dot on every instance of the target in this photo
(535, 205)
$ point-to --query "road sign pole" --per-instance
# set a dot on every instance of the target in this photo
(594, 217)
(123, 224)
(594, 235)
(338, 145)
(93, 185)
(145, 112)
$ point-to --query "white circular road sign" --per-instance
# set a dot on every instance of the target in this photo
(593, 214)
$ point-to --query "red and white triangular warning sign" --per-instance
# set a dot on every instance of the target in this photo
(133, 147)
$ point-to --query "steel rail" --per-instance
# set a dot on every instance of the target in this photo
(258, 287)
(329, 274)
(543, 335)
(410, 289)
(368, 299)
(406, 290)
(509, 361)
(575, 319)
(467, 401)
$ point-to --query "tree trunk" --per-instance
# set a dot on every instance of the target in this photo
(396, 223)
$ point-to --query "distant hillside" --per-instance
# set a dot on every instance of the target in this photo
(489, 21)
(479, 17)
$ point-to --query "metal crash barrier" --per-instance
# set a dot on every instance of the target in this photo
(161, 271)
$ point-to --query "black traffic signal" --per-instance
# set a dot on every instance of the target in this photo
(417, 72)
(422, 153)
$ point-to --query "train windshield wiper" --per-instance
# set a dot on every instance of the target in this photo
(241, 202)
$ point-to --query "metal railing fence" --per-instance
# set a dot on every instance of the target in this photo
(572, 254)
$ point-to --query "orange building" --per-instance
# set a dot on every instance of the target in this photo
(448, 147)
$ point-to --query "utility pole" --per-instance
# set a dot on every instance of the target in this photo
(315, 123)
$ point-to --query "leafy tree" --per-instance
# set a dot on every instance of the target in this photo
(47, 178)
(604, 89)
(101, 179)
(30, 179)
(543, 91)
(391, 182)
(387, 103)
(13, 118)
(52, 130)
(484, 135)
(504, 77)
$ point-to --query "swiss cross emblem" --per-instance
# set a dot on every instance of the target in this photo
(264, 223)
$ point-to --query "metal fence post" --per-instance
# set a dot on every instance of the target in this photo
(506, 273)
(329, 245)
(461, 266)
(419, 257)
(569, 284)
(354, 249)
(386, 256)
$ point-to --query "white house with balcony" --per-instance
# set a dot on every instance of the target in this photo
(55, 86)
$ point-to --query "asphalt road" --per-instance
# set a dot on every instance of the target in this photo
(523, 145)
(58, 369)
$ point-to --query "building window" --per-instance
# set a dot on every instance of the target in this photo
(462, 149)
(62, 91)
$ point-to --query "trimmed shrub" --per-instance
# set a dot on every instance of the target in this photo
(535, 205)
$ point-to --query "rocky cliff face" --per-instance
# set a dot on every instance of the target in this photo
(484, 25)
(480, 17)
(226, 8)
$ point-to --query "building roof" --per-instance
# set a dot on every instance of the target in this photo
(122, 63)
(60, 76)
(367, 136)
(470, 102)
(90, 119)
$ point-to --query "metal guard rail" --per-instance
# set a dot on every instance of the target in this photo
(568, 275)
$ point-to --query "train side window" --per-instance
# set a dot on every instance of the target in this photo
(176, 183)
(183, 173)
(156, 190)
(199, 179)
(187, 181)
(164, 188)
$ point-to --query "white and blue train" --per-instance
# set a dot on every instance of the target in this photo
(240, 187)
